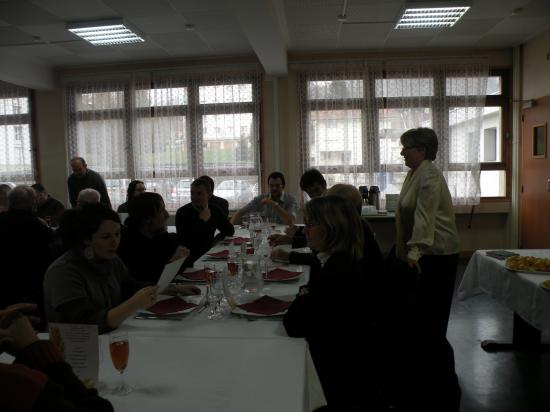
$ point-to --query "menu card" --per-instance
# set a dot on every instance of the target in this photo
(79, 345)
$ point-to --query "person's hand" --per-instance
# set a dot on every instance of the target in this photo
(181, 252)
(278, 239)
(205, 214)
(18, 335)
(145, 298)
(12, 311)
(413, 264)
(304, 290)
(279, 254)
(291, 230)
(267, 201)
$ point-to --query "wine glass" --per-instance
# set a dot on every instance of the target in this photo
(119, 349)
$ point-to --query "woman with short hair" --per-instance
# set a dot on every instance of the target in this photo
(427, 238)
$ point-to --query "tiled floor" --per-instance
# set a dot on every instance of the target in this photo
(502, 381)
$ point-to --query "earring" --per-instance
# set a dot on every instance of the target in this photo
(88, 253)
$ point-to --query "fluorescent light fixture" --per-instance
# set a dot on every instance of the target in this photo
(105, 32)
(431, 15)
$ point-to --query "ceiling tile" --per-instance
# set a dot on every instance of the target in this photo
(40, 50)
(159, 24)
(212, 20)
(175, 40)
(49, 32)
(24, 13)
(225, 41)
(455, 41)
(408, 42)
(141, 8)
(12, 35)
(71, 10)
(469, 27)
(499, 41)
(519, 25)
(186, 6)
(146, 54)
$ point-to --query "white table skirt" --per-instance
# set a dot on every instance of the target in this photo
(518, 291)
(224, 374)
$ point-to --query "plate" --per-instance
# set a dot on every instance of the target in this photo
(295, 275)
(181, 277)
(533, 272)
(239, 311)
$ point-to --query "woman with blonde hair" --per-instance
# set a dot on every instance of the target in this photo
(333, 312)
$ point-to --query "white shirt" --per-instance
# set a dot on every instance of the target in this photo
(425, 219)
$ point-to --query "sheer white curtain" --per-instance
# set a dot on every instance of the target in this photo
(170, 128)
(16, 155)
(352, 115)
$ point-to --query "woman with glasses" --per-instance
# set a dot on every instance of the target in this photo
(333, 313)
(427, 238)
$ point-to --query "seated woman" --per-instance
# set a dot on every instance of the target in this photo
(136, 187)
(89, 283)
(146, 246)
(340, 333)
(196, 222)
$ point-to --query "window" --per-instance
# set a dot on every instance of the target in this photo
(16, 156)
(352, 123)
(167, 131)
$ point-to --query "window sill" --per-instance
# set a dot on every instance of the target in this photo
(484, 207)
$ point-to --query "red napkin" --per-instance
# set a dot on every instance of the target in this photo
(237, 240)
(197, 275)
(225, 253)
(171, 305)
(281, 274)
(266, 305)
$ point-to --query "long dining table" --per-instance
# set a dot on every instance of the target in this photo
(236, 363)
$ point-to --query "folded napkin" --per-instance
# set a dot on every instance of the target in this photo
(281, 274)
(171, 305)
(266, 305)
(224, 254)
(236, 240)
(198, 275)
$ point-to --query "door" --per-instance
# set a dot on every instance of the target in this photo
(535, 175)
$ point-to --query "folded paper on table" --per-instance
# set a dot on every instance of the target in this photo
(266, 305)
(170, 305)
(281, 274)
(500, 254)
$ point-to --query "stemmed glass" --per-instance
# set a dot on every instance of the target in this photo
(119, 349)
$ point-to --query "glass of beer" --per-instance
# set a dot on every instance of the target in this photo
(120, 349)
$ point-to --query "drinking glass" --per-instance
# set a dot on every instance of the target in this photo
(119, 349)
(252, 275)
(216, 293)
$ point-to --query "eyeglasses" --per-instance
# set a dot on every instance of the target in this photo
(309, 225)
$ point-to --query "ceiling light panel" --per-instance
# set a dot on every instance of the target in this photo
(430, 17)
(105, 33)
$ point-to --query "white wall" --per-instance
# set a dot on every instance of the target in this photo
(536, 67)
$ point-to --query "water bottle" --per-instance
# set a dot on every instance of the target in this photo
(374, 197)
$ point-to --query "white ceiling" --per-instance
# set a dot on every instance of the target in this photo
(34, 31)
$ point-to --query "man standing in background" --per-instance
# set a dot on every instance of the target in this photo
(84, 178)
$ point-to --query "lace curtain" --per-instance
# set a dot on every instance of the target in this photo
(352, 116)
(168, 129)
(16, 155)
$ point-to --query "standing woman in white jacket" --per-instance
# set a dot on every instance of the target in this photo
(427, 239)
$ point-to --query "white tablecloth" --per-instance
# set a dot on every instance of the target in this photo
(232, 364)
(224, 374)
(518, 291)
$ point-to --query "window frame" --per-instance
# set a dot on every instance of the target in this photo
(440, 119)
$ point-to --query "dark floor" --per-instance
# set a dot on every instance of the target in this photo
(501, 381)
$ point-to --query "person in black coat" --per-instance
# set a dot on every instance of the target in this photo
(196, 222)
(222, 203)
(136, 187)
(145, 246)
(333, 312)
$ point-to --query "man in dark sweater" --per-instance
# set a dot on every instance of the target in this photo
(49, 209)
(222, 203)
(84, 178)
(196, 222)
